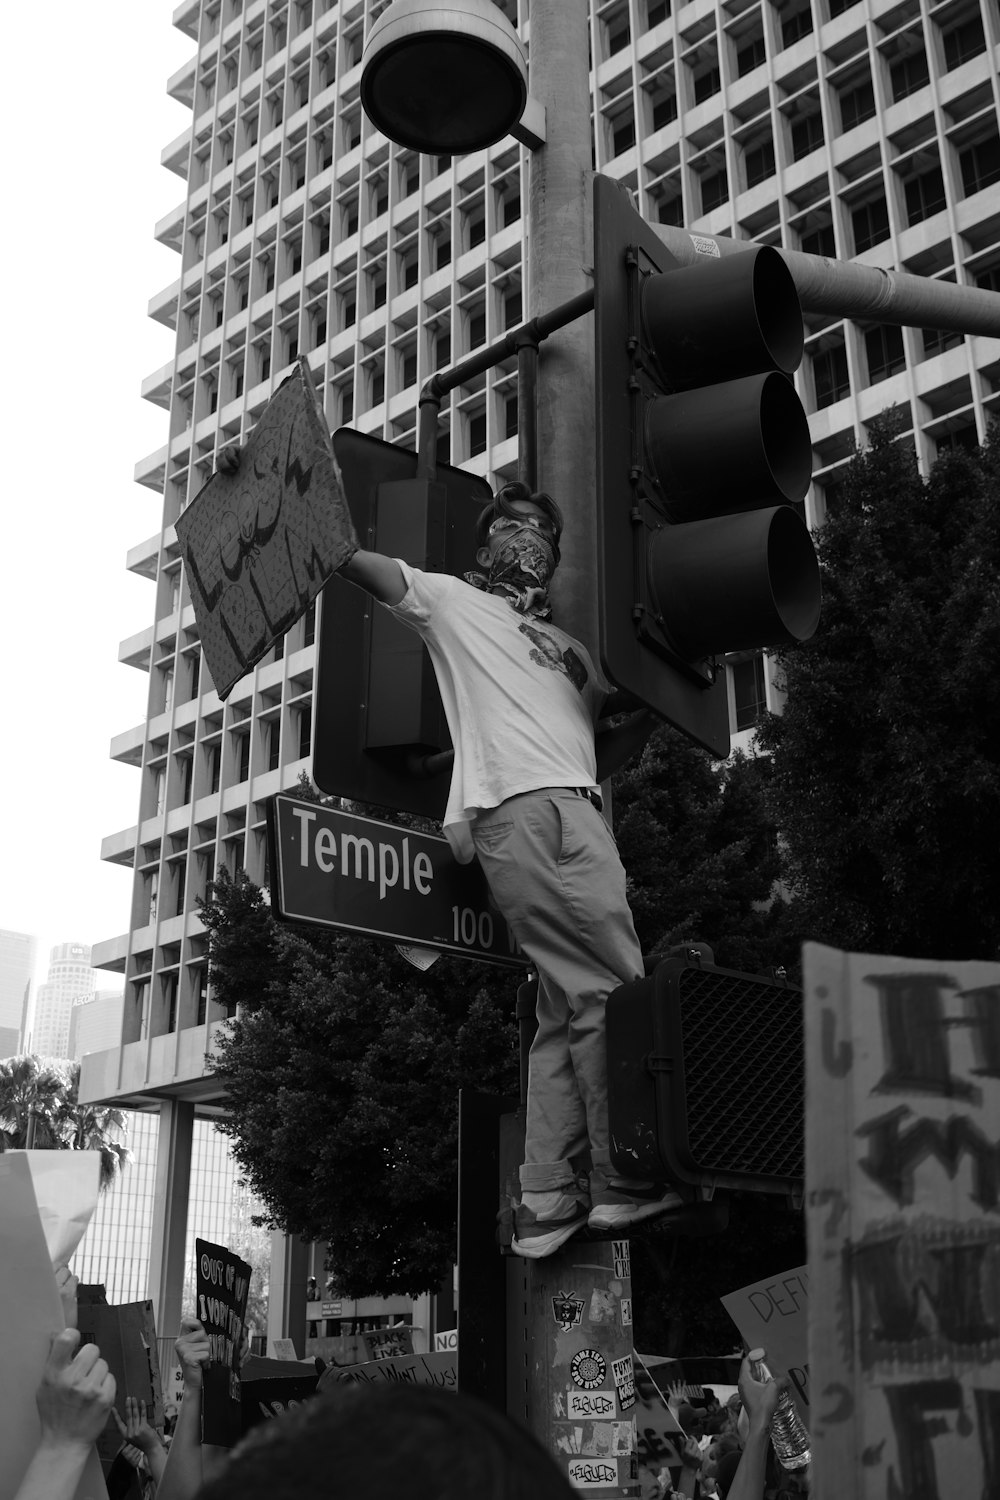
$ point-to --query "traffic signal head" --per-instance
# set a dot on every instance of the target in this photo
(378, 713)
(703, 451)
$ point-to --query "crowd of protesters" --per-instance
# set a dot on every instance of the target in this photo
(712, 1442)
(379, 1441)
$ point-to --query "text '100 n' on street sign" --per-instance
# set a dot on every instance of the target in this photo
(372, 878)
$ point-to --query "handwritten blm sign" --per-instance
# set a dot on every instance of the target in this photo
(903, 1203)
(388, 1343)
(222, 1284)
(258, 545)
(773, 1314)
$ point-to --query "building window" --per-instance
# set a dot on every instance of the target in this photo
(980, 164)
(714, 190)
(870, 224)
(309, 625)
(924, 195)
(857, 104)
(305, 731)
(622, 127)
(656, 12)
(759, 162)
(908, 74)
(707, 80)
(750, 55)
(152, 891)
(937, 340)
(180, 878)
(807, 134)
(749, 691)
(884, 349)
(830, 376)
(213, 756)
(510, 415)
(819, 241)
(199, 984)
(477, 328)
(273, 732)
(796, 23)
(477, 433)
(963, 42)
(512, 308)
(242, 749)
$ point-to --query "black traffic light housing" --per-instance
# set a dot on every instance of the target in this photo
(701, 445)
(706, 1079)
(378, 713)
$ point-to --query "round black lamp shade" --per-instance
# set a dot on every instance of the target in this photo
(444, 77)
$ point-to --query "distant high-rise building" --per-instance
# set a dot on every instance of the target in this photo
(95, 1023)
(847, 130)
(70, 981)
(18, 956)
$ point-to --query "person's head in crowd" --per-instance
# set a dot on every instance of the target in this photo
(387, 1441)
(711, 1400)
(716, 1421)
(725, 1471)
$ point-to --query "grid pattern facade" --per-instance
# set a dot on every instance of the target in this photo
(864, 130)
(115, 1250)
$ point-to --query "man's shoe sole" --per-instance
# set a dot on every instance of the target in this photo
(613, 1217)
(539, 1245)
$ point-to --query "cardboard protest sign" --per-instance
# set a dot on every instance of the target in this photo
(773, 1314)
(388, 1343)
(408, 1369)
(31, 1311)
(258, 545)
(222, 1285)
(270, 1387)
(903, 1110)
(67, 1185)
(126, 1337)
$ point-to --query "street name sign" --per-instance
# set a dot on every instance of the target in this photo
(366, 876)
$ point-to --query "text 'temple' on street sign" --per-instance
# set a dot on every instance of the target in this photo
(375, 879)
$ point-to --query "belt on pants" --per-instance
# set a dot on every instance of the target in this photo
(589, 794)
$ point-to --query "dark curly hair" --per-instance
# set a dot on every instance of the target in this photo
(502, 504)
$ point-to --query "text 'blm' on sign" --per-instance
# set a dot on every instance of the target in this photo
(372, 878)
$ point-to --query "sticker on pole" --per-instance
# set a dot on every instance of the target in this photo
(588, 1369)
(260, 543)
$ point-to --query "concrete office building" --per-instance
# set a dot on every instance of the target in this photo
(70, 982)
(864, 129)
(95, 1024)
(18, 956)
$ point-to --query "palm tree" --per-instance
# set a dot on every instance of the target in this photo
(32, 1095)
(39, 1110)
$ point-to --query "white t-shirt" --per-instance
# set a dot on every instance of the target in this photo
(521, 696)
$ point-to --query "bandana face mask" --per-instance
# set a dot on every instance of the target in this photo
(522, 568)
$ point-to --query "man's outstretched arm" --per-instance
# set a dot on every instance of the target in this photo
(378, 575)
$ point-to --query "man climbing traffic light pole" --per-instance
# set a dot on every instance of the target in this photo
(522, 699)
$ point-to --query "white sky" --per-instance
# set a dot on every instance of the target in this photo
(85, 115)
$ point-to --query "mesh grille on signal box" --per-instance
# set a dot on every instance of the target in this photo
(743, 1073)
(706, 1079)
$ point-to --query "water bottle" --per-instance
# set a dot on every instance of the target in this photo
(789, 1436)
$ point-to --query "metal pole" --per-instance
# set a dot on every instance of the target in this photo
(847, 289)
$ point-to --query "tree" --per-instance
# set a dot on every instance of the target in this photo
(886, 770)
(342, 1072)
(39, 1109)
(700, 851)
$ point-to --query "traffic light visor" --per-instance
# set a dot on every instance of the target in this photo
(730, 446)
(740, 314)
(736, 583)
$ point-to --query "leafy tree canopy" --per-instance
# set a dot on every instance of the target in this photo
(886, 757)
(39, 1108)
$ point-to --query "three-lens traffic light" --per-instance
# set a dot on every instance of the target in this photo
(703, 454)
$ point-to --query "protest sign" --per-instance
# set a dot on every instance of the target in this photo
(773, 1314)
(270, 1387)
(440, 1370)
(222, 1285)
(388, 1343)
(67, 1185)
(126, 1337)
(30, 1312)
(259, 544)
(903, 1105)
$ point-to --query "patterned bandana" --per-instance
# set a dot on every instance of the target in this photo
(521, 570)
